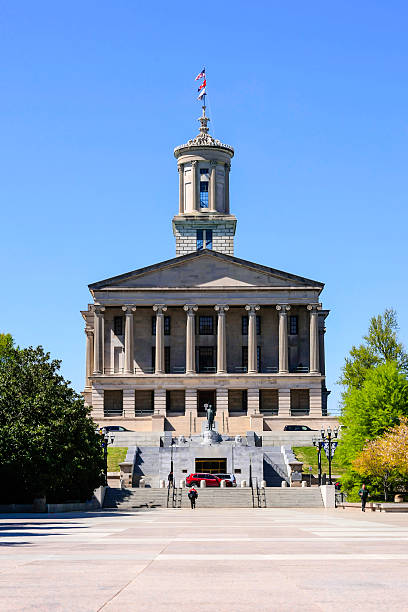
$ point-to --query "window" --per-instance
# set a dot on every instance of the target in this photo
(205, 358)
(118, 326)
(166, 325)
(144, 402)
(245, 325)
(166, 359)
(268, 402)
(204, 239)
(245, 357)
(204, 194)
(299, 402)
(204, 171)
(205, 325)
(293, 325)
(175, 402)
(112, 403)
(237, 400)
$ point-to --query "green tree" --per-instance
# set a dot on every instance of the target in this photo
(48, 444)
(370, 410)
(380, 345)
(6, 344)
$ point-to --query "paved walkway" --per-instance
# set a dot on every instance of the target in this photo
(205, 560)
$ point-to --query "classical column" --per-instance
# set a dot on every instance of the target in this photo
(129, 309)
(159, 309)
(180, 169)
(314, 339)
(89, 355)
(252, 352)
(283, 338)
(194, 186)
(213, 181)
(190, 309)
(226, 189)
(221, 309)
(99, 334)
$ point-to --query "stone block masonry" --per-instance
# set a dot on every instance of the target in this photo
(185, 231)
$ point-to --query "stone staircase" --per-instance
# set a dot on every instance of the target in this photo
(231, 497)
(135, 499)
(293, 497)
(274, 468)
(237, 497)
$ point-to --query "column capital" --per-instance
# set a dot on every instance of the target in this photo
(314, 307)
(129, 309)
(221, 308)
(159, 309)
(98, 309)
(213, 163)
(227, 166)
(252, 308)
(194, 163)
(180, 167)
(190, 308)
(89, 332)
(283, 308)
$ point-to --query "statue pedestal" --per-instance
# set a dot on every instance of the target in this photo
(204, 427)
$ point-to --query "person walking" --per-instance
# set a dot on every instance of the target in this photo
(192, 496)
(170, 479)
(363, 493)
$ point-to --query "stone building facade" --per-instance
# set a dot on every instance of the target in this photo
(205, 327)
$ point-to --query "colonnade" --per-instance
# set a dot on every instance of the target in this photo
(195, 186)
(95, 339)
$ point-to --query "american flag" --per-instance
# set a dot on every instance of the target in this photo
(201, 75)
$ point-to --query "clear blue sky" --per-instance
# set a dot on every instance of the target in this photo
(313, 96)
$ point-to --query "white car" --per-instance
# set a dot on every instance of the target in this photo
(230, 477)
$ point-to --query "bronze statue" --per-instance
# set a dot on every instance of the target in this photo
(210, 416)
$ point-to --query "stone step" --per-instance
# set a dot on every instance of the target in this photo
(293, 498)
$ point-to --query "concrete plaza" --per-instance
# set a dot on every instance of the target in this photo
(205, 560)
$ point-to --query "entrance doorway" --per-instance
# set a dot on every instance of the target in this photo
(205, 397)
(211, 466)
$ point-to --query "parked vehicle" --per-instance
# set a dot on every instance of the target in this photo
(111, 428)
(298, 428)
(229, 478)
(211, 480)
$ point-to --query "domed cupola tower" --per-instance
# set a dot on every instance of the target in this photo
(204, 220)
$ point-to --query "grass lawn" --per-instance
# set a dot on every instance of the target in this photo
(308, 455)
(116, 454)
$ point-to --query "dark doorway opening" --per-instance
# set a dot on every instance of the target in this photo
(205, 397)
(206, 361)
(211, 466)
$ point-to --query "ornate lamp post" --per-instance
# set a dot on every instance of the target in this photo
(318, 443)
(104, 443)
(327, 436)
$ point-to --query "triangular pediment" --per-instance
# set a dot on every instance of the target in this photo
(205, 269)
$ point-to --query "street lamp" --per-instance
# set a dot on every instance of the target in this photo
(327, 436)
(319, 443)
(104, 443)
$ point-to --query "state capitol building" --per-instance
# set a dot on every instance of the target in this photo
(205, 327)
